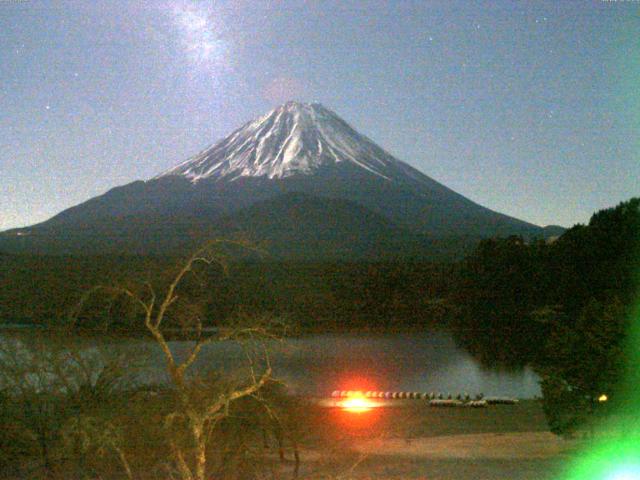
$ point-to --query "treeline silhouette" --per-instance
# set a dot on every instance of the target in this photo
(314, 296)
(512, 295)
(502, 301)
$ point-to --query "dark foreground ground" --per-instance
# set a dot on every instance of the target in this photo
(407, 440)
(415, 441)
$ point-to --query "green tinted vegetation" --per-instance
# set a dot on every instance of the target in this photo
(564, 307)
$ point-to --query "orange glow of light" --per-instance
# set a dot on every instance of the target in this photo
(354, 382)
(356, 403)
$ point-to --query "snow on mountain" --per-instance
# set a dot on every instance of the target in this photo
(298, 162)
(295, 138)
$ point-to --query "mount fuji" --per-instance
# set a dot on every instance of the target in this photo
(299, 178)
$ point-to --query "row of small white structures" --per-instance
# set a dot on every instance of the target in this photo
(435, 399)
(403, 395)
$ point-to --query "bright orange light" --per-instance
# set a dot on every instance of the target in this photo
(356, 403)
(603, 398)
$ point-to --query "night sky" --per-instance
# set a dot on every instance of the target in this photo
(528, 108)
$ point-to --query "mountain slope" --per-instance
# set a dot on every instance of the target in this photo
(296, 148)
(304, 227)
(290, 226)
(293, 139)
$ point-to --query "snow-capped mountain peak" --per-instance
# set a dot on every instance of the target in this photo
(295, 138)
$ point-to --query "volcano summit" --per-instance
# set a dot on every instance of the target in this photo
(299, 178)
(291, 140)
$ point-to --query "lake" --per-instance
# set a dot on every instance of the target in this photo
(319, 364)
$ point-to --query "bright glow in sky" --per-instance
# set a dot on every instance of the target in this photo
(528, 108)
(198, 35)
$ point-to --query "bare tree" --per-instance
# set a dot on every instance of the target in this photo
(96, 435)
(48, 379)
(189, 426)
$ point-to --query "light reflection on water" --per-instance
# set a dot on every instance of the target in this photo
(319, 364)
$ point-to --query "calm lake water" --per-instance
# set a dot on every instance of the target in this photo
(319, 364)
